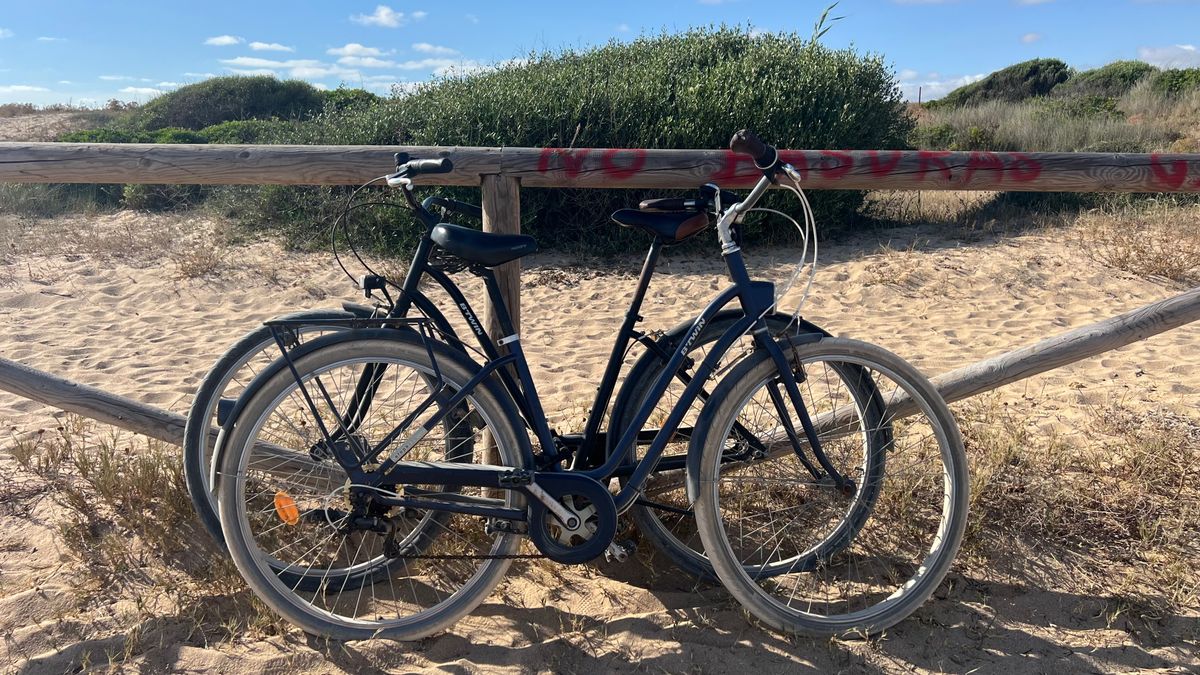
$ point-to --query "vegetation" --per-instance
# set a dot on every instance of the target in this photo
(1176, 82)
(1110, 81)
(1015, 83)
(221, 99)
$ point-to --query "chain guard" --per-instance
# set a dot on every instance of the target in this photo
(563, 485)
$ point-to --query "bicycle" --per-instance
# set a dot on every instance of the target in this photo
(828, 477)
(669, 531)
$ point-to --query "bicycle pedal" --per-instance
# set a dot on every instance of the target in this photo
(620, 551)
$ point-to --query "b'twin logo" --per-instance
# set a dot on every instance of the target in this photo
(466, 310)
(687, 346)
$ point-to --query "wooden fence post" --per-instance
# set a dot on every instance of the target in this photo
(502, 215)
(501, 203)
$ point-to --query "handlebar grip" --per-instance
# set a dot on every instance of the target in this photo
(417, 167)
(747, 143)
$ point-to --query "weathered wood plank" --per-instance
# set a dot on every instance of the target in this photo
(91, 402)
(598, 167)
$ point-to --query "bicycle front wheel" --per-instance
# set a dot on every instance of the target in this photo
(286, 509)
(801, 553)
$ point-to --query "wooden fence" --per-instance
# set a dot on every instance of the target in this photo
(502, 172)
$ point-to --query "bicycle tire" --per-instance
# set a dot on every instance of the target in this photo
(226, 380)
(671, 533)
(267, 422)
(918, 512)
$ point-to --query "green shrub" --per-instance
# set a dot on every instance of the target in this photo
(116, 135)
(1078, 107)
(161, 197)
(221, 99)
(1017, 82)
(1176, 81)
(247, 131)
(345, 97)
(690, 90)
(1111, 81)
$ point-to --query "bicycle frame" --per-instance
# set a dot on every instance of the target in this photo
(756, 299)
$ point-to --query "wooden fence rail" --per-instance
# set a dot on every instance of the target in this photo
(597, 168)
(502, 172)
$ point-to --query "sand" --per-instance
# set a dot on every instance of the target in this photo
(117, 301)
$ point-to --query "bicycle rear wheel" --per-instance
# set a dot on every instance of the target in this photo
(285, 509)
(801, 554)
(221, 386)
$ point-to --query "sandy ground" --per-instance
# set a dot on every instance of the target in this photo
(39, 127)
(97, 300)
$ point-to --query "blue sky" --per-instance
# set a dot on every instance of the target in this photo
(88, 51)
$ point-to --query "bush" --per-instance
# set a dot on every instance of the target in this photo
(344, 97)
(1017, 82)
(1111, 81)
(161, 197)
(116, 135)
(1078, 107)
(246, 131)
(690, 90)
(221, 99)
(1177, 81)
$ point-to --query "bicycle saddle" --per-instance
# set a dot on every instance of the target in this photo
(670, 227)
(482, 248)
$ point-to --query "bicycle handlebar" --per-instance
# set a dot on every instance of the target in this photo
(417, 167)
(745, 142)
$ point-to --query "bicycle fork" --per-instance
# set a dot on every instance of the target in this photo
(790, 375)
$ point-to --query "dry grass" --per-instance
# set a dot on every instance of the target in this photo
(1120, 511)
(128, 521)
(1155, 241)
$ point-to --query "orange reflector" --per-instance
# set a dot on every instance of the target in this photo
(286, 509)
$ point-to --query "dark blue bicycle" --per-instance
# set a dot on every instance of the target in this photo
(379, 480)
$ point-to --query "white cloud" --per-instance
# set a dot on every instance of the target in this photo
(51, 39)
(20, 88)
(224, 40)
(472, 18)
(65, 82)
(270, 47)
(299, 68)
(141, 91)
(435, 50)
(253, 71)
(386, 17)
(1175, 56)
(1030, 38)
(5, 33)
(169, 85)
(200, 75)
(320, 87)
(932, 85)
(354, 49)
(622, 28)
(116, 78)
(366, 62)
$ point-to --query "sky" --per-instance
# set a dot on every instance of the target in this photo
(85, 52)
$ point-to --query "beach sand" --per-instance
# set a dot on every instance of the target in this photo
(141, 305)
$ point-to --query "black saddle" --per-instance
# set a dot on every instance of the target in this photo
(482, 248)
(669, 227)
